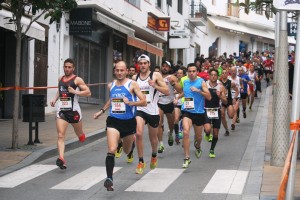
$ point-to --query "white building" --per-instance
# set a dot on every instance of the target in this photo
(123, 29)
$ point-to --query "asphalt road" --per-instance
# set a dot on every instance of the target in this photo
(219, 178)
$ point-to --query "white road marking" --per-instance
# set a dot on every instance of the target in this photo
(84, 180)
(21, 176)
(227, 181)
(157, 180)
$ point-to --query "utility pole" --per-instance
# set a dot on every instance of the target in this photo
(280, 140)
(294, 116)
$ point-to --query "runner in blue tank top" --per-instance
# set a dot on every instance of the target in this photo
(194, 92)
(121, 122)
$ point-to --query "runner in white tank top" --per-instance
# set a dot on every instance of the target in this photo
(150, 84)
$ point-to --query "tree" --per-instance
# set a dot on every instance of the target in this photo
(263, 5)
(34, 9)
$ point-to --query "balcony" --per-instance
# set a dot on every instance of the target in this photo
(198, 14)
(233, 10)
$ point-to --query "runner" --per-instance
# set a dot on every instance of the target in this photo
(166, 105)
(245, 81)
(229, 106)
(150, 83)
(70, 87)
(194, 92)
(235, 82)
(121, 122)
(252, 87)
(212, 112)
(177, 108)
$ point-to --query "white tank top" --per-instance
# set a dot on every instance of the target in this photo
(252, 77)
(237, 83)
(167, 99)
(151, 95)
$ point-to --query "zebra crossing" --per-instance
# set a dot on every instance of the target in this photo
(157, 180)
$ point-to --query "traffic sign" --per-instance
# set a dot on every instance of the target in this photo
(183, 32)
(292, 28)
(287, 4)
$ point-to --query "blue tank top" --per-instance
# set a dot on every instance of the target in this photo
(118, 109)
(193, 101)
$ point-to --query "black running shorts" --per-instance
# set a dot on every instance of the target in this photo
(69, 116)
(152, 120)
(166, 108)
(197, 118)
(124, 126)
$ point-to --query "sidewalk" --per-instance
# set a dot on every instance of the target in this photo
(14, 159)
(263, 180)
(272, 175)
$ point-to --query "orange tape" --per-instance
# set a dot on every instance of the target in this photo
(40, 88)
(295, 125)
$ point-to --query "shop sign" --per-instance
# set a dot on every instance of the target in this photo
(292, 28)
(158, 23)
(287, 4)
(81, 21)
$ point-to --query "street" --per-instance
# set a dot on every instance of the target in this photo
(223, 177)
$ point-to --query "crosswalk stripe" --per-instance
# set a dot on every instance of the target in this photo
(84, 180)
(227, 181)
(18, 177)
(156, 180)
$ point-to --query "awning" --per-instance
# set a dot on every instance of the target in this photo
(114, 24)
(240, 28)
(35, 31)
(141, 44)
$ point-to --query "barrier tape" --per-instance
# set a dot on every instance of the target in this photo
(295, 126)
(40, 88)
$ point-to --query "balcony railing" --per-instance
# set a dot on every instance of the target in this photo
(198, 10)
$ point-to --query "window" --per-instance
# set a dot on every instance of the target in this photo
(158, 4)
(169, 2)
(136, 3)
(179, 9)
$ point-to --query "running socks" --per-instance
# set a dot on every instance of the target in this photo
(154, 154)
(213, 143)
(110, 163)
(176, 129)
(141, 160)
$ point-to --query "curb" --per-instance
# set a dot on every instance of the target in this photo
(45, 153)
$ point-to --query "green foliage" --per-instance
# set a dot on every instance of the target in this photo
(265, 6)
(53, 8)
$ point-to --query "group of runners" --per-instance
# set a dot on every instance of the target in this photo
(192, 96)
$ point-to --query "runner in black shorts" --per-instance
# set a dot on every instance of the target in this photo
(121, 122)
(212, 110)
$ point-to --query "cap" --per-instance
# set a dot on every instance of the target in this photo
(143, 56)
(167, 62)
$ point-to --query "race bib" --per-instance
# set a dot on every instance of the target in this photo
(212, 113)
(267, 68)
(118, 106)
(189, 103)
(65, 103)
(147, 94)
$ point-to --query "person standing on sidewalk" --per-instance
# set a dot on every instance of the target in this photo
(121, 122)
(194, 92)
(213, 112)
(166, 105)
(150, 83)
(70, 87)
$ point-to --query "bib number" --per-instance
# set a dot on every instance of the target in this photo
(147, 94)
(65, 103)
(189, 103)
(118, 106)
(212, 113)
